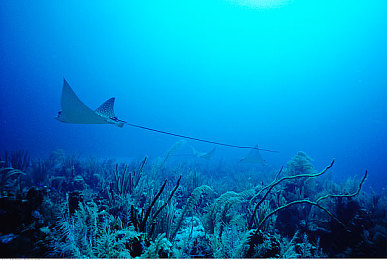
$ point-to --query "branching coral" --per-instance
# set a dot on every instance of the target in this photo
(126, 181)
(257, 244)
(192, 201)
(40, 170)
(275, 183)
(9, 180)
(117, 244)
(300, 164)
(140, 221)
(160, 248)
(18, 160)
(302, 201)
(142, 214)
(90, 234)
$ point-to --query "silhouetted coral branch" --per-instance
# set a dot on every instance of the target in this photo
(163, 206)
(275, 183)
(300, 202)
(144, 220)
(138, 176)
(316, 203)
(169, 199)
(266, 187)
(346, 195)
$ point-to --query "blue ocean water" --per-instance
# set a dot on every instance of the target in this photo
(286, 75)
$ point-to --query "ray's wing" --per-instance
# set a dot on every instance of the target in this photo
(194, 151)
(75, 111)
(203, 154)
(209, 154)
(254, 157)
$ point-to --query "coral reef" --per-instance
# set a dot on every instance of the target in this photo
(66, 206)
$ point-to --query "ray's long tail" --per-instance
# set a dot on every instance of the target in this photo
(200, 140)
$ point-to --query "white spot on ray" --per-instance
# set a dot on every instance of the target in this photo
(106, 109)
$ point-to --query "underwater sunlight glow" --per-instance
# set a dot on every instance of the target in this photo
(262, 4)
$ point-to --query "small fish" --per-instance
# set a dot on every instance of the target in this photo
(45, 187)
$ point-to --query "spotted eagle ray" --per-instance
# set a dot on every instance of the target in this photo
(254, 157)
(203, 155)
(74, 111)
